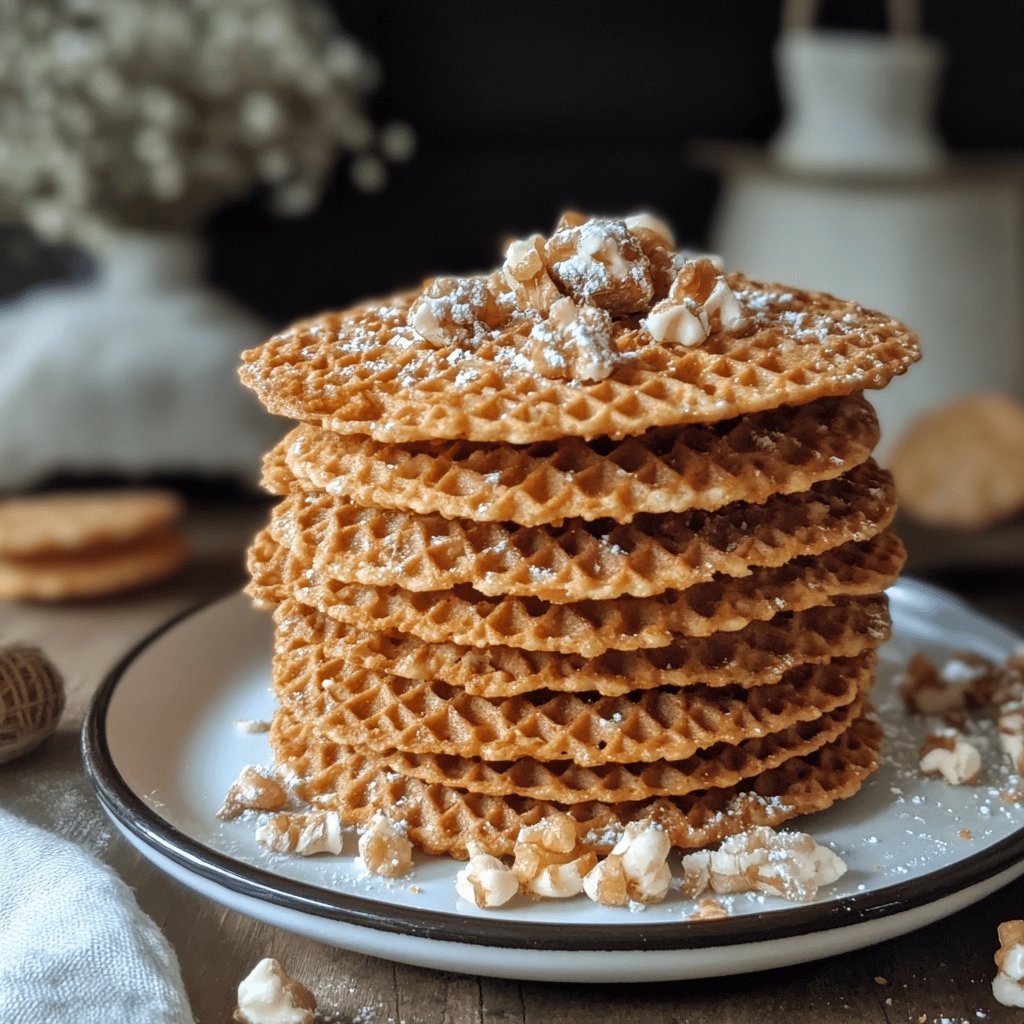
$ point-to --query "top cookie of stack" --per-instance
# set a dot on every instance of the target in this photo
(597, 533)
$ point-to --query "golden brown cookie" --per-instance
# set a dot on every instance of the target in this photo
(566, 782)
(962, 465)
(92, 572)
(668, 469)
(599, 560)
(384, 713)
(74, 521)
(443, 819)
(594, 333)
(756, 655)
(465, 616)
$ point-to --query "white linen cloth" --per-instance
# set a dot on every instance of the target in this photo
(74, 946)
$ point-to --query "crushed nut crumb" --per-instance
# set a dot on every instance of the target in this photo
(268, 996)
(252, 791)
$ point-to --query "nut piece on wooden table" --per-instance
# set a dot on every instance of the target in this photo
(268, 996)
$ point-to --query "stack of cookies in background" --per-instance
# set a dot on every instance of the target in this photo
(597, 534)
(63, 545)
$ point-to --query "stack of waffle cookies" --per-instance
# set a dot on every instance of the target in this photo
(599, 533)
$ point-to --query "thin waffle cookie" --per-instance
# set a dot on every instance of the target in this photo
(441, 819)
(724, 764)
(367, 371)
(383, 713)
(465, 616)
(599, 560)
(700, 466)
(756, 655)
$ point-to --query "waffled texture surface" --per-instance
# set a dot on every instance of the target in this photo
(442, 819)
(383, 712)
(700, 466)
(756, 655)
(367, 372)
(598, 560)
(465, 616)
(565, 782)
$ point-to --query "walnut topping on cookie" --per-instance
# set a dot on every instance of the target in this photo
(549, 860)
(304, 834)
(699, 301)
(1008, 984)
(453, 311)
(482, 358)
(252, 791)
(947, 754)
(574, 341)
(600, 262)
(485, 880)
(787, 864)
(636, 869)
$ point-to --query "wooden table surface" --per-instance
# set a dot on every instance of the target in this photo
(939, 974)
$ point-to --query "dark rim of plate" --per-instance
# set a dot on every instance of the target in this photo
(126, 807)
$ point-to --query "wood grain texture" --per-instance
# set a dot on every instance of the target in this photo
(943, 971)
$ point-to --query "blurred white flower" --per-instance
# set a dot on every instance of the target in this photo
(151, 113)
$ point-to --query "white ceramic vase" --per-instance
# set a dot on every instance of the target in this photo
(132, 372)
(857, 197)
(858, 102)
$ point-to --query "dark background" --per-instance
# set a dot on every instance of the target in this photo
(523, 109)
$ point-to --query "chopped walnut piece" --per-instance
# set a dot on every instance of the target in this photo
(1008, 984)
(699, 303)
(549, 860)
(639, 222)
(658, 245)
(600, 263)
(453, 311)
(925, 692)
(252, 791)
(1001, 685)
(384, 848)
(304, 834)
(949, 755)
(268, 996)
(636, 869)
(787, 864)
(1010, 724)
(709, 910)
(524, 275)
(485, 880)
(574, 343)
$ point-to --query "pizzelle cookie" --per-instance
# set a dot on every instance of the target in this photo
(93, 572)
(759, 654)
(76, 521)
(467, 617)
(699, 466)
(444, 820)
(383, 713)
(596, 534)
(532, 354)
(723, 764)
(599, 560)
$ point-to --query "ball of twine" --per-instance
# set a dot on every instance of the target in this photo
(31, 700)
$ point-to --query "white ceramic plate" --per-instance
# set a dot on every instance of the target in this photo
(161, 746)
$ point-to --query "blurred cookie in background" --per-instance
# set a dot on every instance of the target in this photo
(961, 466)
(72, 544)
